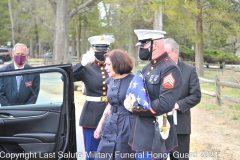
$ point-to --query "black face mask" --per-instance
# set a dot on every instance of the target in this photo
(145, 54)
(100, 55)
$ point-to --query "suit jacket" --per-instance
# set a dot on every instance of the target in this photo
(190, 96)
(28, 90)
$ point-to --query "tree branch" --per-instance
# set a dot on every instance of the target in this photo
(53, 5)
(150, 20)
(42, 20)
(83, 8)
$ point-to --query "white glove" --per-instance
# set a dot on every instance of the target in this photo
(129, 101)
(88, 57)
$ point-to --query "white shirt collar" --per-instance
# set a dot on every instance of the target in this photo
(17, 67)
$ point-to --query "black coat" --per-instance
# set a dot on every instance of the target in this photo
(190, 96)
(163, 80)
(28, 91)
(93, 75)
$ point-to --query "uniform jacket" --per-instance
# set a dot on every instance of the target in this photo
(189, 97)
(93, 75)
(163, 81)
(28, 91)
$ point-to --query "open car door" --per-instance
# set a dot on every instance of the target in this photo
(45, 129)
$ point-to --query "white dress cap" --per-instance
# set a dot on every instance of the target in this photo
(144, 34)
(95, 40)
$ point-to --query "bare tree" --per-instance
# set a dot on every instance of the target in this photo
(12, 23)
(63, 16)
(199, 43)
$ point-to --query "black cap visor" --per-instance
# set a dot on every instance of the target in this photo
(101, 47)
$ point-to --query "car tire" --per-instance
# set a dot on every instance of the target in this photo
(2, 61)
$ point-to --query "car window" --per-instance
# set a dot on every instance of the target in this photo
(37, 88)
(4, 50)
(51, 88)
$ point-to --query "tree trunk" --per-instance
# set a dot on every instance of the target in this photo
(84, 36)
(78, 37)
(158, 25)
(12, 23)
(31, 48)
(37, 42)
(199, 43)
(73, 53)
(61, 33)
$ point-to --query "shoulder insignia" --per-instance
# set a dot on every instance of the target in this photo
(168, 81)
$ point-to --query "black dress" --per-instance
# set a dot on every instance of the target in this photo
(117, 127)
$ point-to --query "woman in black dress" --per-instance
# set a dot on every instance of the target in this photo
(116, 123)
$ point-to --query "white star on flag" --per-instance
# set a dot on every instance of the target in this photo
(138, 88)
(143, 89)
(145, 103)
(134, 84)
(138, 99)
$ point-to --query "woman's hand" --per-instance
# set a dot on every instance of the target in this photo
(97, 132)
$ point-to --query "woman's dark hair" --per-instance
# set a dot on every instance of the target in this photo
(121, 61)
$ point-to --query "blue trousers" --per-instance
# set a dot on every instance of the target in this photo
(147, 155)
(90, 143)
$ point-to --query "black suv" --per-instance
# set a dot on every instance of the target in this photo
(5, 55)
(46, 129)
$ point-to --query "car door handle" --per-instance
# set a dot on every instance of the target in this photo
(5, 116)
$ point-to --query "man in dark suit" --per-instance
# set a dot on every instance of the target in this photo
(190, 96)
(22, 89)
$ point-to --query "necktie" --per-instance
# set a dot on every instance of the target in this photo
(18, 78)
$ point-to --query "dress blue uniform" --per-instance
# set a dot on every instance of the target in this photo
(163, 82)
(93, 75)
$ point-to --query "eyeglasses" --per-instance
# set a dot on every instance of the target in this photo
(144, 42)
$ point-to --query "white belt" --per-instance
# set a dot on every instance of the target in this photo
(96, 99)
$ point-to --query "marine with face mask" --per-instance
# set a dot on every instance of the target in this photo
(163, 81)
(93, 75)
(21, 89)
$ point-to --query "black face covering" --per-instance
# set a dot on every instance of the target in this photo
(144, 54)
(100, 55)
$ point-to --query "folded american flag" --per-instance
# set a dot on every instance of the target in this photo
(138, 88)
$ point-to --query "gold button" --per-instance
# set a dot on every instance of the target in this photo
(148, 73)
(101, 68)
(103, 76)
(104, 93)
(154, 61)
(153, 121)
(104, 88)
(102, 72)
(151, 68)
(103, 82)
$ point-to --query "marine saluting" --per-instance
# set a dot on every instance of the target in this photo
(93, 75)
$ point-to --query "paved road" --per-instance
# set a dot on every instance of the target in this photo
(79, 101)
